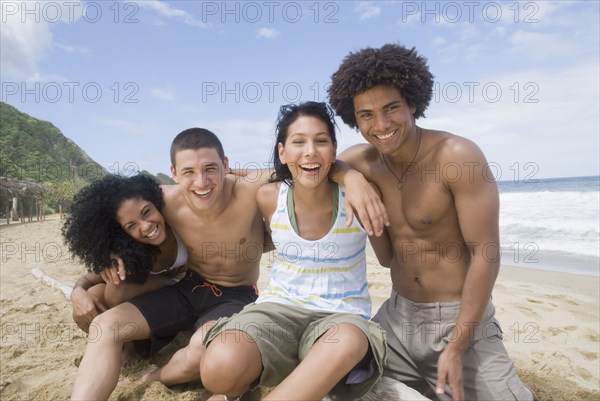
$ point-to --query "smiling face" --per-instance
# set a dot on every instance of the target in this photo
(308, 151)
(142, 221)
(200, 174)
(384, 118)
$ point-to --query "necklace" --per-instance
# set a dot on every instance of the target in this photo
(399, 179)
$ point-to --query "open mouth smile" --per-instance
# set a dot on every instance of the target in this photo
(152, 234)
(203, 193)
(310, 167)
(383, 137)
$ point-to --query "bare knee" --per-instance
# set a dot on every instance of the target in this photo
(229, 367)
(193, 354)
(101, 328)
(352, 341)
(118, 325)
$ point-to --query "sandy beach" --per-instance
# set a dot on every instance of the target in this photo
(551, 324)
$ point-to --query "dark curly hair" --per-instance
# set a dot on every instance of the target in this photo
(391, 65)
(287, 115)
(92, 231)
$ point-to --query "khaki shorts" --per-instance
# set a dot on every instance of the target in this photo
(417, 333)
(285, 334)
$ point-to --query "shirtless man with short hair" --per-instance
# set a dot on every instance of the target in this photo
(443, 207)
(218, 219)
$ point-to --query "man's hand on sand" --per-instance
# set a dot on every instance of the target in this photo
(450, 370)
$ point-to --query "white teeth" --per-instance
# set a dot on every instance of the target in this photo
(202, 193)
(386, 136)
(153, 233)
(310, 166)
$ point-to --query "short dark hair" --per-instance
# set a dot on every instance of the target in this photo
(287, 115)
(93, 232)
(391, 65)
(196, 138)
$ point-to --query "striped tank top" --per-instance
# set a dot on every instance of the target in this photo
(326, 275)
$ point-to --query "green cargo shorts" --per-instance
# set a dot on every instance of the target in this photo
(285, 334)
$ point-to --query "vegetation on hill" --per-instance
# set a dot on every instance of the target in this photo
(36, 150)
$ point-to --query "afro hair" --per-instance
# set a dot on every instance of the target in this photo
(92, 231)
(391, 65)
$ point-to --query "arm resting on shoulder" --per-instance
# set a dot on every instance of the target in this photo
(361, 199)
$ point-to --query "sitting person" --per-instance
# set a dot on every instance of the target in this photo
(308, 333)
(439, 318)
(217, 217)
(116, 225)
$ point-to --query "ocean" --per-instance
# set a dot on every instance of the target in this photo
(551, 224)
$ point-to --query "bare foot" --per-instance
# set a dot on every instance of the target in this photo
(218, 397)
(150, 374)
(128, 356)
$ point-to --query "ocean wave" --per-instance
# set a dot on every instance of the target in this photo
(557, 221)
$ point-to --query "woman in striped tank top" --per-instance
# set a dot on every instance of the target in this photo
(308, 333)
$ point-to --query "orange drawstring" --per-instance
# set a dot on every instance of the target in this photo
(213, 287)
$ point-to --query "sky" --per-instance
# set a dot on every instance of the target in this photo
(122, 78)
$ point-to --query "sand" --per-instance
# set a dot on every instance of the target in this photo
(551, 324)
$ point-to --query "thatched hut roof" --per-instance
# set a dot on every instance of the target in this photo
(10, 188)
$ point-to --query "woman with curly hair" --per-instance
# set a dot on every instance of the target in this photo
(116, 226)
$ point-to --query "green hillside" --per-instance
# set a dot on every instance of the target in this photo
(36, 150)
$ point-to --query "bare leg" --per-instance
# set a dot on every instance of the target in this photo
(184, 366)
(99, 369)
(230, 364)
(128, 356)
(324, 366)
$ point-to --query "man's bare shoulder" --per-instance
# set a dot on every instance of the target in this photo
(363, 157)
(463, 162)
(170, 193)
(169, 189)
(245, 186)
(454, 148)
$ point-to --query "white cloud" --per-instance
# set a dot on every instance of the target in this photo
(72, 49)
(267, 33)
(538, 118)
(23, 46)
(26, 35)
(366, 10)
(166, 10)
(246, 142)
(438, 41)
(163, 95)
(127, 127)
(541, 46)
